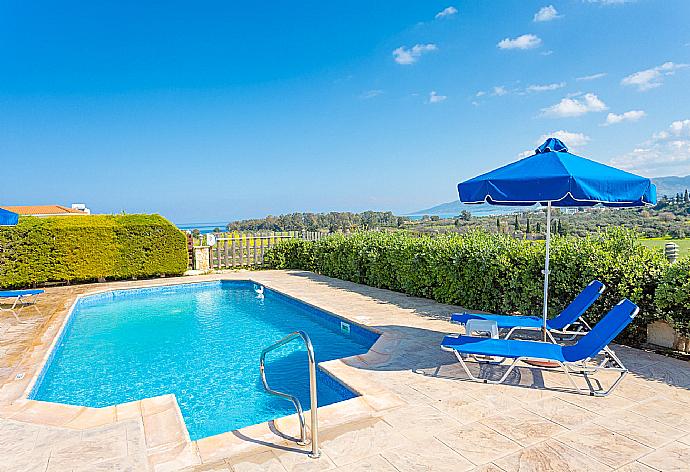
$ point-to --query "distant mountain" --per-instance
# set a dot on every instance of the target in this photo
(668, 186)
(481, 209)
(672, 185)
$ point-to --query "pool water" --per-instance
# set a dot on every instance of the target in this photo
(201, 342)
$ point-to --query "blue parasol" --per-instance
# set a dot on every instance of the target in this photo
(556, 178)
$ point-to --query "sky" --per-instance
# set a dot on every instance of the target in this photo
(220, 110)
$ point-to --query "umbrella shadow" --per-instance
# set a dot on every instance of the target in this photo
(420, 352)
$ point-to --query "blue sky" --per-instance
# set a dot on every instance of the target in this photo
(217, 110)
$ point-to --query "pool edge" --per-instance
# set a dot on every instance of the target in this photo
(368, 402)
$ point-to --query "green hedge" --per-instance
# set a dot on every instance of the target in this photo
(84, 248)
(489, 272)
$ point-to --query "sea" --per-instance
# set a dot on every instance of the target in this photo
(208, 227)
(204, 228)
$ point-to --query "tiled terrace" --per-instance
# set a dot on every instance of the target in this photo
(416, 411)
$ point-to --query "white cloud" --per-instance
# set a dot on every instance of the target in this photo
(405, 56)
(436, 98)
(450, 11)
(371, 94)
(545, 87)
(632, 115)
(526, 41)
(666, 153)
(570, 107)
(652, 78)
(572, 140)
(593, 76)
(680, 127)
(499, 91)
(547, 13)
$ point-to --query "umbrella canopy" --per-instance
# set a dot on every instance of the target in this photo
(7, 218)
(554, 175)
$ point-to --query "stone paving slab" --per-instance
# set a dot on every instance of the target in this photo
(417, 411)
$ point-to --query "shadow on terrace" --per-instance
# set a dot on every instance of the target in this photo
(419, 350)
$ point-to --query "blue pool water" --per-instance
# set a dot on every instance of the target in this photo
(201, 342)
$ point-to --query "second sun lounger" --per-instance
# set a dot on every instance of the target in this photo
(559, 325)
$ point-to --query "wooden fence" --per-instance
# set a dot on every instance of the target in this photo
(248, 249)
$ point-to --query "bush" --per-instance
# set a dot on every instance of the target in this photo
(84, 248)
(673, 296)
(488, 271)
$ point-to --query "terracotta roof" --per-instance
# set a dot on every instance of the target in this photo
(42, 210)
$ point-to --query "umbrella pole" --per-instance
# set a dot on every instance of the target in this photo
(546, 267)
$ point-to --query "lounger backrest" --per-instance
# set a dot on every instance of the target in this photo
(603, 333)
(578, 306)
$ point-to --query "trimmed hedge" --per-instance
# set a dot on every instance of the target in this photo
(489, 272)
(85, 248)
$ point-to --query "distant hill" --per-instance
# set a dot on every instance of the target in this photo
(672, 185)
(481, 209)
(668, 186)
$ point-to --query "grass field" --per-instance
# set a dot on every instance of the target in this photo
(683, 244)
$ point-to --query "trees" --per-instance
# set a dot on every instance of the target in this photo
(516, 224)
(333, 221)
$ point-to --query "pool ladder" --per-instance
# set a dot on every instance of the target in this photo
(295, 401)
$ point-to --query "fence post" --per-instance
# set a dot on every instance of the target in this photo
(240, 249)
(225, 244)
(202, 258)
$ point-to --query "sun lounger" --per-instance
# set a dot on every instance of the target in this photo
(560, 325)
(576, 359)
(19, 299)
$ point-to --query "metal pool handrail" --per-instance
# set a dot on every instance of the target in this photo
(312, 390)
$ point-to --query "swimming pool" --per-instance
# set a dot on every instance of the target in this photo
(201, 342)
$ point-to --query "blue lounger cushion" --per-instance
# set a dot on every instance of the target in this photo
(587, 346)
(503, 347)
(568, 316)
(19, 293)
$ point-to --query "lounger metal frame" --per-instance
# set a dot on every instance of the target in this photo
(582, 368)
